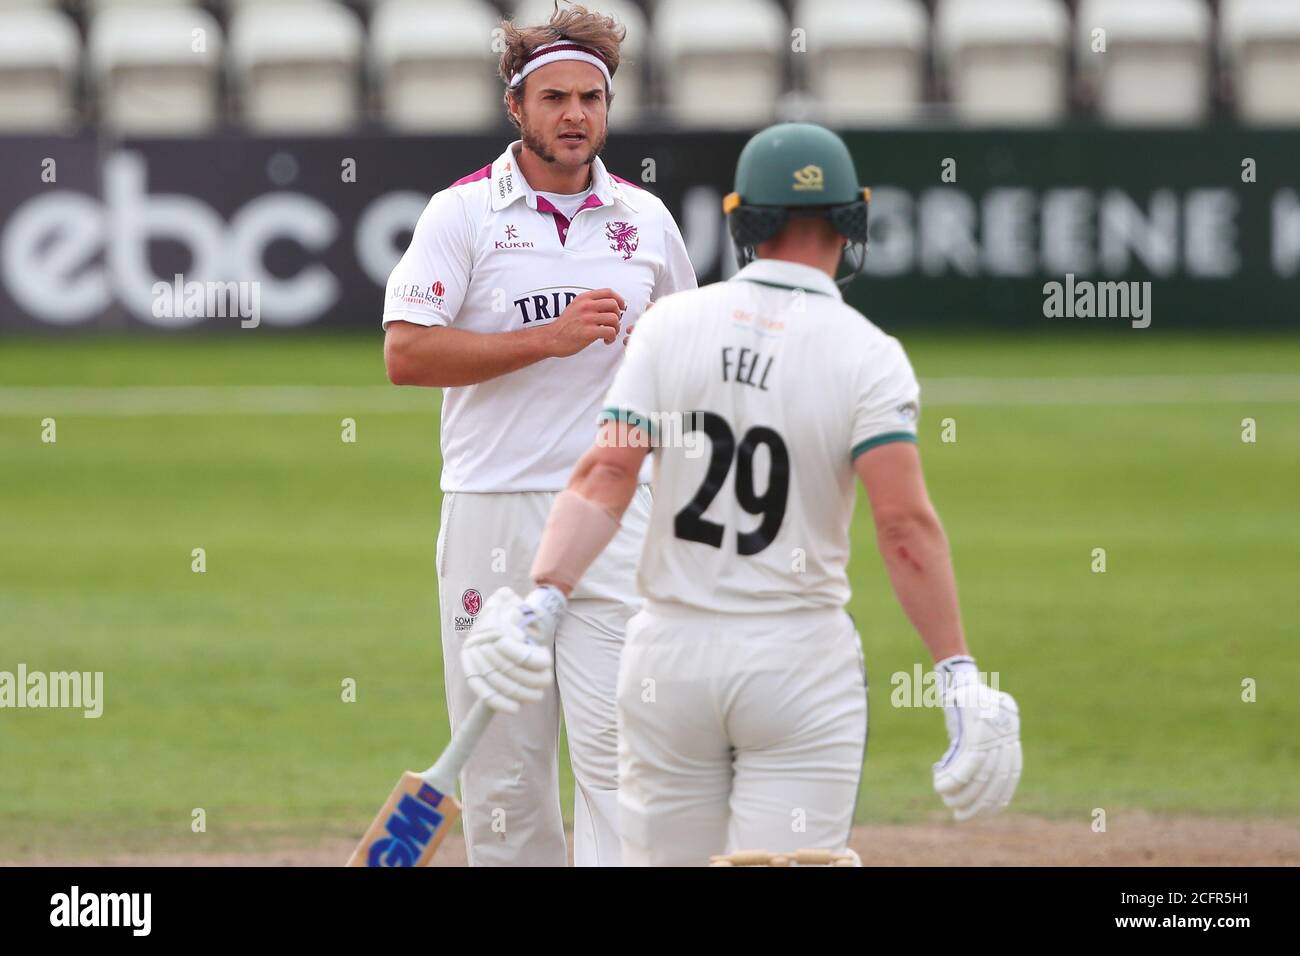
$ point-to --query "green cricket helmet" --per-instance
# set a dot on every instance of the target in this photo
(801, 168)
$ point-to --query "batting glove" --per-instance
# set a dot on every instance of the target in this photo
(978, 774)
(542, 611)
(505, 658)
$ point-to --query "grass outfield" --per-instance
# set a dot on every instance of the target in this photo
(223, 689)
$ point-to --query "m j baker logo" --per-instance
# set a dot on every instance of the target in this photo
(434, 295)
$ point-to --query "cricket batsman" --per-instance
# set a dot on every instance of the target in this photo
(742, 699)
(516, 295)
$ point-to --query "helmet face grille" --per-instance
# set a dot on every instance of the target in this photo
(850, 220)
(751, 225)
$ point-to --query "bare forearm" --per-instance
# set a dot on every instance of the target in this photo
(920, 569)
(445, 357)
(608, 487)
(586, 515)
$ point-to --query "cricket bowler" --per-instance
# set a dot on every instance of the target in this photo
(742, 698)
(516, 296)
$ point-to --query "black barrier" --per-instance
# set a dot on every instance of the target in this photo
(1026, 229)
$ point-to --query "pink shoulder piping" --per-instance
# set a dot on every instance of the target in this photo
(478, 174)
(627, 181)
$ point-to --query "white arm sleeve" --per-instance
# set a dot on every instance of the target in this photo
(889, 399)
(634, 393)
(677, 272)
(428, 284)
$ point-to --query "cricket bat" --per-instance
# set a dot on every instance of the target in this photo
(422, 808)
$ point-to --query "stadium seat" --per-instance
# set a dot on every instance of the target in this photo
(723, 61)
(295, 65)
(1004, 60)
(154, 69)
(1155, 69)
(93, 7)
(233, 5)
(38, 67)
(434, 66)
(629, 85)
(865, 58)
(1261, 43)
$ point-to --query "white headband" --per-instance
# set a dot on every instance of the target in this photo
(560, 50)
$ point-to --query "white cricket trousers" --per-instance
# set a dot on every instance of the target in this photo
(738, 732)
(510, 786)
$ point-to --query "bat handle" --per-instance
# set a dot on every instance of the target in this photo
(444, 772)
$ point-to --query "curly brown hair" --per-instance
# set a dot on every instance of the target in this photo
(602, 34)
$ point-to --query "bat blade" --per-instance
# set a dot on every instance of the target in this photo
(410, 826)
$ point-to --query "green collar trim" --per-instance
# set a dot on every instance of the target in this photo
(780, 285)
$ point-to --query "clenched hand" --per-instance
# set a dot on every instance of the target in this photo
(592, 315)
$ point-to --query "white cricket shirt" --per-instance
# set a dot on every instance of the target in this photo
(788, 385)
(491, 255)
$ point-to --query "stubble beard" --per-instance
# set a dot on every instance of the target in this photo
(534, 142)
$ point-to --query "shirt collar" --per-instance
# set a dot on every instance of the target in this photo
(508, 183)
(788, 275)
